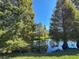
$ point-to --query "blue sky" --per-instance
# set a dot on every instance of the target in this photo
(43, 10)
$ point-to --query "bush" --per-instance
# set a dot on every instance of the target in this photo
(16, 44)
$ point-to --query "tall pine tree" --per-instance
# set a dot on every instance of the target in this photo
(64, 18)
(16, 23)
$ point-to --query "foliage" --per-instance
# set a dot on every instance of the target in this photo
(66, 16)
(75, 13)
(15, 44)
(40, 32)
(56, 23)
(16, 23)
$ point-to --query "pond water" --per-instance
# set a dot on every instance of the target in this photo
(59, 45)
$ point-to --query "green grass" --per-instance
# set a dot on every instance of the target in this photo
(48, 57)
(67, 54)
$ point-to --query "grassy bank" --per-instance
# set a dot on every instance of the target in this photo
(67, 54)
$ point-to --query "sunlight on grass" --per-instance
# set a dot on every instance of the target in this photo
(47, 57)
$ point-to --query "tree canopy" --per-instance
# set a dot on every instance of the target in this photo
(16, 23)
(66, 18)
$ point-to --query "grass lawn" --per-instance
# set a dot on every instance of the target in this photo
(48, 57)
(67, 54)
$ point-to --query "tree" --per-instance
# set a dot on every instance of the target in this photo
(40, 32)
(66, 18)
(56, 22)
(75, 15)
(40, 36)
(16, 21)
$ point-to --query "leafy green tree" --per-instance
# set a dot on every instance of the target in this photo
(16, 22)
(66, 16)
(40, 32)
(56, 29)
(75, 15)
(40, 36)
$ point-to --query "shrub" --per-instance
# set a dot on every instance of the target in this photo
(15, 44)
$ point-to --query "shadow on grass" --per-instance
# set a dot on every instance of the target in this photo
(68, 52)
